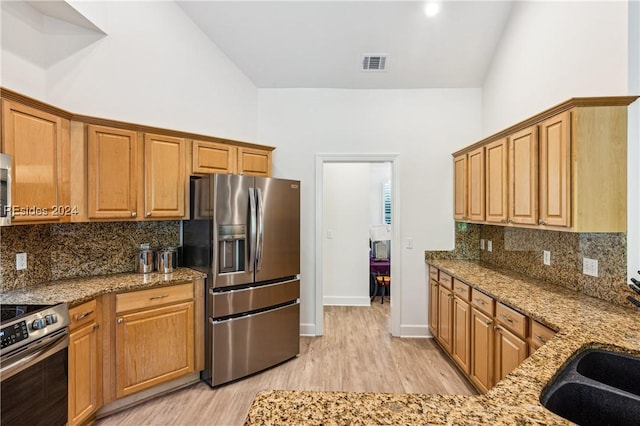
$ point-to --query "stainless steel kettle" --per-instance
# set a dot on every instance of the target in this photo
(166, 260)
(145, 261)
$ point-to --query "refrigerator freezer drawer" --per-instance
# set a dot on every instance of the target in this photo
(245, 345)
(250, 299)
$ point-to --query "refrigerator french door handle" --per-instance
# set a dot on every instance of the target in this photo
(252, 228)
(260, 236)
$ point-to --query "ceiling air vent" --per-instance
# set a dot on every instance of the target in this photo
(374, 62)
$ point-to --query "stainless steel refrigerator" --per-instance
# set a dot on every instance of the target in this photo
(244, 233)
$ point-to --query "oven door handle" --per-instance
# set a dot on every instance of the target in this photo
(32, 355)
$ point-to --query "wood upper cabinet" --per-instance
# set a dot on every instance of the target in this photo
(38, 143)
(252, 161)
(523, 172)
(164, 176)
(212, 157)
(476, 194)
(497, 181)
(555, 171)
(460, 197)
(112, 173)
(85, 362)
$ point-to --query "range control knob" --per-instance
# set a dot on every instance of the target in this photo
(39, 323)
(51, 318)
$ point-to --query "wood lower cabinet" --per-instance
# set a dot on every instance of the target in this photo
(154, 337)
(445, 313)
(482, 364)
(85, 362)
(509, 352)
(433, 307)
(39, 144)
(539, 334)
(461, 349)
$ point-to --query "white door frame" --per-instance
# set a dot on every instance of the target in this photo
(396, 239)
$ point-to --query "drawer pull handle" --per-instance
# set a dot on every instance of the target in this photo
(482, 302)
(78, 317)
(507, 319)
(158, 297)
(539, 339)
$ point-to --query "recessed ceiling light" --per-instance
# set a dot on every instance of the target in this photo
(432, 8)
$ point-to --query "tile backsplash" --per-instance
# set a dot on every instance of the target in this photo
(77, 249)
(521, 250)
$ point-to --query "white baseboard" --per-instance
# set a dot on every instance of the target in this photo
(418, 331)
(346, 301)
(308, 330)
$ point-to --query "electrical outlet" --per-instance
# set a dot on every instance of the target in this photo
(590, 266)
(489, 245)
(546, 255)
(21, 261)
(481, 243)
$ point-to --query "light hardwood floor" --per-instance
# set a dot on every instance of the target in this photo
(357, 353)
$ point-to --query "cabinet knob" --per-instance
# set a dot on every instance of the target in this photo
(119, 320)
(503, 220)
(96, 326)
(541, 222)
(148, 214)
(134, 214)
(510, 220)
(488, 322)
(495, 327)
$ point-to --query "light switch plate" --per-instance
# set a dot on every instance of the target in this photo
(489, 245)
(481, 243)
(330, 234)
(21, 261)
(409, 243)
(590, 266)
(546, 256)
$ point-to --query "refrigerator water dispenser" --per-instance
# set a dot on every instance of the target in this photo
(231, 248)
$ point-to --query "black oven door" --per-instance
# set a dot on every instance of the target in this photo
(33, 387)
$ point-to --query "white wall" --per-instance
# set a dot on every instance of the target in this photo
(553, 51)
(346, 248)
(154, 66)
(422, 126)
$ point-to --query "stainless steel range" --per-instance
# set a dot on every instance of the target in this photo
(33, 364)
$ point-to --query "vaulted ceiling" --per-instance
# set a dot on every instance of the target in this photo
(319, 44)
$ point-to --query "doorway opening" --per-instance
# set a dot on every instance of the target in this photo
(357, 198)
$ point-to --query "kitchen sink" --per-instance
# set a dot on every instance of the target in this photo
(596, 387)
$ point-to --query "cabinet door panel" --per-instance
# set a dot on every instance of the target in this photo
(476, 184)
(84, 373)
(481, 350)
(255, 162)
(153, 346)
(497, 181)
(555, 171)
(112, 172)
(211, 157)
(164, 165)
(460, 187)
(461, 334)
(523, 172)
(39, 145)
(445, 315)
(510, 351)
(433, 308)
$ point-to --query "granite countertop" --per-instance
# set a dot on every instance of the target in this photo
(78, 290)
(581, 321)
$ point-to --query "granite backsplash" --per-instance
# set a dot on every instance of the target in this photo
(72, 250)
(521, 250)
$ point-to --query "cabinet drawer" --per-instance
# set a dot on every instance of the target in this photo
(446, 280)
(513, 320)
(153, 297)
(482, 301)
(461, 290)
(433, 273)
(83, 314)
(540, 334)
